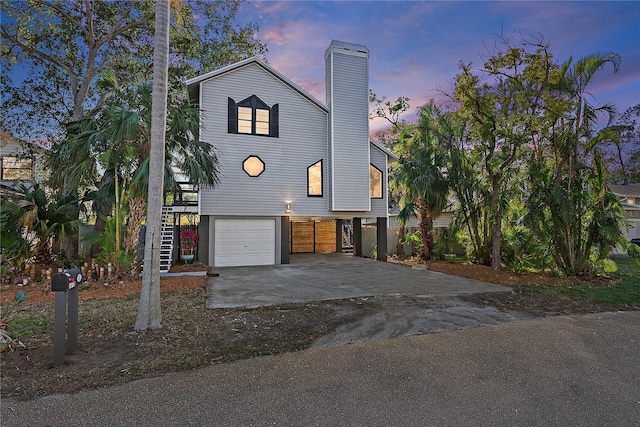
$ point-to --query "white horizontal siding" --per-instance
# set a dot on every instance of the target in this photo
(8, 147)
(301, 143)
(380, 207)
(441, 221)
(349, 104)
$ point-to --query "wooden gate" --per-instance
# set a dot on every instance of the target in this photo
(313, 236)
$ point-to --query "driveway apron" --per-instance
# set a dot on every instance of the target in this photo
(320, 277)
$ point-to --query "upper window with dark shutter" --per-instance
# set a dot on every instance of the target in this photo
(253, 117)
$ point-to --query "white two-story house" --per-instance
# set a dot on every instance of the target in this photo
(629, 196)
(292, 168)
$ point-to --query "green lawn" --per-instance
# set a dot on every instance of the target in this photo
(625, 293)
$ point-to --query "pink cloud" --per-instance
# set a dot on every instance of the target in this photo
(278, 35)
(268, 7)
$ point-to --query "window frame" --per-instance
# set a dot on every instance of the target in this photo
(264, 166)
(371, 165)
(255, 103)
(321, 179)
(17, 159)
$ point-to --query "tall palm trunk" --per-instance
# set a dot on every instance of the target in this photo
(425, 231)
(149, 313)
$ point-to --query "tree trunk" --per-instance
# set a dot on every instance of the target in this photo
(399, 245)
(424, 231)
(102, 206)
(496, 234)
(149, 312)
(69, 243)
(132, 234)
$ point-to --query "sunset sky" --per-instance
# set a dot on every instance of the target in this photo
(416, 46)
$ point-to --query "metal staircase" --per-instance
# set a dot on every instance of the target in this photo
(347, 236)
(166, 240)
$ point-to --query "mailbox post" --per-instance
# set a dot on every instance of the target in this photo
(65, 285)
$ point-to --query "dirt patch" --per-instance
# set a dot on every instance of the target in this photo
(111, 352)
(528, 299)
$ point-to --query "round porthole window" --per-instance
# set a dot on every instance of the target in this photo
(253, 166)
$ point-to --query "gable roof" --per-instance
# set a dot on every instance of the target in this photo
(193, 85)
(625, 190)
(383, 149)
(9, 143)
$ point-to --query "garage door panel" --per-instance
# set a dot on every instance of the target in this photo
(245, 242)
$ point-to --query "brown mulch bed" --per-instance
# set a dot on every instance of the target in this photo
(124, 286)
(525, 297)
(509, 278)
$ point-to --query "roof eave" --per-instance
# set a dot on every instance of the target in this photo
(383, 149)
(193, 85)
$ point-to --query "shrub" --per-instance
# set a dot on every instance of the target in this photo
(188, 239)
(633, 250)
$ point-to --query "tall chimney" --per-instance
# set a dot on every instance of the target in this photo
(347, 80)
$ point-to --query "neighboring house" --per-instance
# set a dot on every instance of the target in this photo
(629, 196)
(17, 162)
(441, 221)
(293, 170)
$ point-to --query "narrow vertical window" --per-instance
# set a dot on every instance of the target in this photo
(262, 122)
(375, 182)
(314, 180)
(244, 119)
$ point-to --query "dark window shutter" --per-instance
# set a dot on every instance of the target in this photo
(274, 118)
(232, 117)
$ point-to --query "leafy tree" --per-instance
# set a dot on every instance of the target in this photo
(622, 150)
(502, 110)
(390, 111)
(570, 204)
(66, 46)
(419, 175)
(467, 181)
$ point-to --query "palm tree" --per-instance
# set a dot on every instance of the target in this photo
(419, 175)
(582, 218)
(149, 311)
(45, 217)
(118, 143)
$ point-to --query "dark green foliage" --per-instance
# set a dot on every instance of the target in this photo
(419, 176)
(469, 186)
(569, 202)
(31, 218)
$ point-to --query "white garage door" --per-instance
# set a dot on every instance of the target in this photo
(245, 242)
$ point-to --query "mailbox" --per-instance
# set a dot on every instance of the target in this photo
(65, 286)
(62, 282)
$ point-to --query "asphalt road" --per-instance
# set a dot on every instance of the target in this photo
(581, 370)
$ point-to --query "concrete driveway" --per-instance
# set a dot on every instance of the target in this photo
(318, 277)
